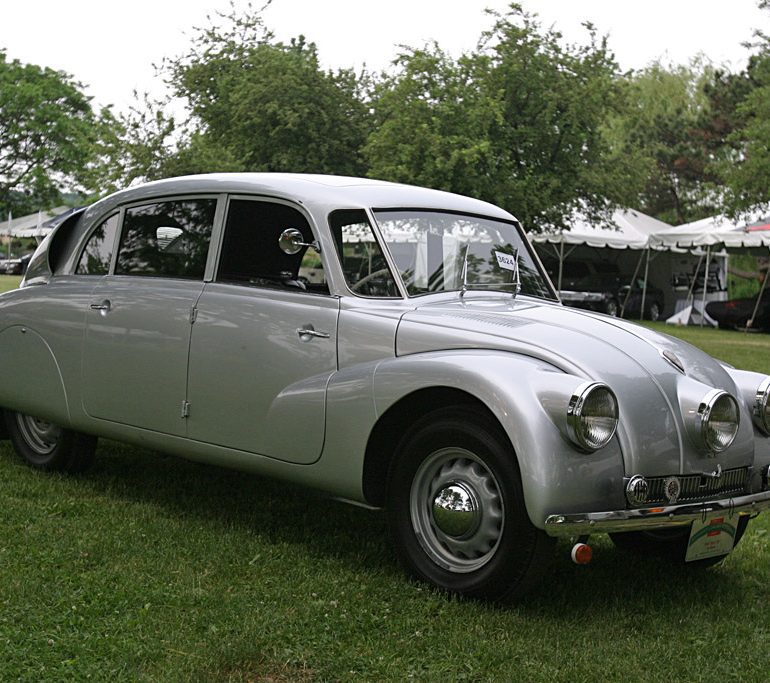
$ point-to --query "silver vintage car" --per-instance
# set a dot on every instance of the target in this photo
(394, 346)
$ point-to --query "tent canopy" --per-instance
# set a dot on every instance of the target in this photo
(31, 225)
(630, 230)
(716, 231)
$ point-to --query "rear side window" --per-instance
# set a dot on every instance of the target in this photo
(167, 239)
(97, 255)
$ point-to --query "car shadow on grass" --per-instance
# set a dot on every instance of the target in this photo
(281, 513)
(276, 511)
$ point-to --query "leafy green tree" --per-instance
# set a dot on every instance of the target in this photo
(47, 133)
(746, 172)
(263, 105)
(518, 122)
(666, 124)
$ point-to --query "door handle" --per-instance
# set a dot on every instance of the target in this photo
(308, 332)
(104, 306)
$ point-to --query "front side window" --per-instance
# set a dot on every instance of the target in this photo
(440, 252)
(251, 251)
(167, 239)
(97, 255)
(361, 257)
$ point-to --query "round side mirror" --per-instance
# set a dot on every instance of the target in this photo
(291, 241)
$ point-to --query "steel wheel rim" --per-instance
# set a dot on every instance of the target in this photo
(482, 532)
(41, 436)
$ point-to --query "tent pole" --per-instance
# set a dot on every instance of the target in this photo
(690, 294)
(759, 299)
(705, 285)
(631, 286)
(644, 286)
(561, 265)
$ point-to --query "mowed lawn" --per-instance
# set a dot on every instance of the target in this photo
(151, 568)
(8, 282)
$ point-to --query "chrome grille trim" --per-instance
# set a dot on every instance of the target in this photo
(697, 487)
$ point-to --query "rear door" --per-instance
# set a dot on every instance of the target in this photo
(139, 318)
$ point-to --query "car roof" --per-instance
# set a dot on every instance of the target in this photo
(322, 192)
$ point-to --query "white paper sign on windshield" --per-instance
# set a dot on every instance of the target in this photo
(507, 261)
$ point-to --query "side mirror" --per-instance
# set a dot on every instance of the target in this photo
(292, 241)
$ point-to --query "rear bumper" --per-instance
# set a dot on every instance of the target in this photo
(583, 524)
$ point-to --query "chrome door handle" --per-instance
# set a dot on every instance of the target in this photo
(307, 333)
(104, 306)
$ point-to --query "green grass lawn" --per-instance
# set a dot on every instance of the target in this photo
(8, 282)
(745, 350)
(150, 568)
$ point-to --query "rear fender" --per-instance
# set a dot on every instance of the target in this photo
(31, 379)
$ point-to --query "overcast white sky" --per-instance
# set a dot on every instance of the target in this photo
(111, 46)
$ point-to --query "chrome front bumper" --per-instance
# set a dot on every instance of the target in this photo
(583, 524)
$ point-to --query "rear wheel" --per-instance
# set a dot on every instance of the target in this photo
(611, 308)
(456, 508)
(669, 544)
(47, 446)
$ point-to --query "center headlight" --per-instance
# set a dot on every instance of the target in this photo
(720, 417)
(592, 416)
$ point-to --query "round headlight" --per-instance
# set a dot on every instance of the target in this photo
(719, 418)
(592, 416)
(762, 406)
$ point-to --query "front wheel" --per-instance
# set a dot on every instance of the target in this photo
(670, 544)
(456, 508)
(47, 446)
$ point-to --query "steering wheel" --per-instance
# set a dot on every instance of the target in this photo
(368, 278)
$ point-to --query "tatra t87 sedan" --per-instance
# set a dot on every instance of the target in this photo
(397, 347)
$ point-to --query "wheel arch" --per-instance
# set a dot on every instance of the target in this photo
(390, 428)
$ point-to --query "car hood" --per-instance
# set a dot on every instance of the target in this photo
(628, 358)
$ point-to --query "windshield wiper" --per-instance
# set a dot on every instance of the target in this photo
(504, 261)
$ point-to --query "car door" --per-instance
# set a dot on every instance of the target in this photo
(264, 341)
(139, 318)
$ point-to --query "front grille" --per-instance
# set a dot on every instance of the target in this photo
(697, 487)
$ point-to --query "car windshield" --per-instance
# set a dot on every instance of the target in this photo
(432, 249)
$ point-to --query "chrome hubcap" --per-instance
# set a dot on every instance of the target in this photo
(456, 510)
(41, 436)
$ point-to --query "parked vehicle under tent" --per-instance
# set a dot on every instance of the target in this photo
(714, 236)
(653, 279)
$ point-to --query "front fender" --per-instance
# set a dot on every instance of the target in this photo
(529, 399)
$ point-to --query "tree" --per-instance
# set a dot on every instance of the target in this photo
(518, 122)
(746, 172)
(666, 125)
(47, 133)
(265, 105)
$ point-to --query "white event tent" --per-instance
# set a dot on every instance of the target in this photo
(628, 233)
(713, 235)
(31, 225)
